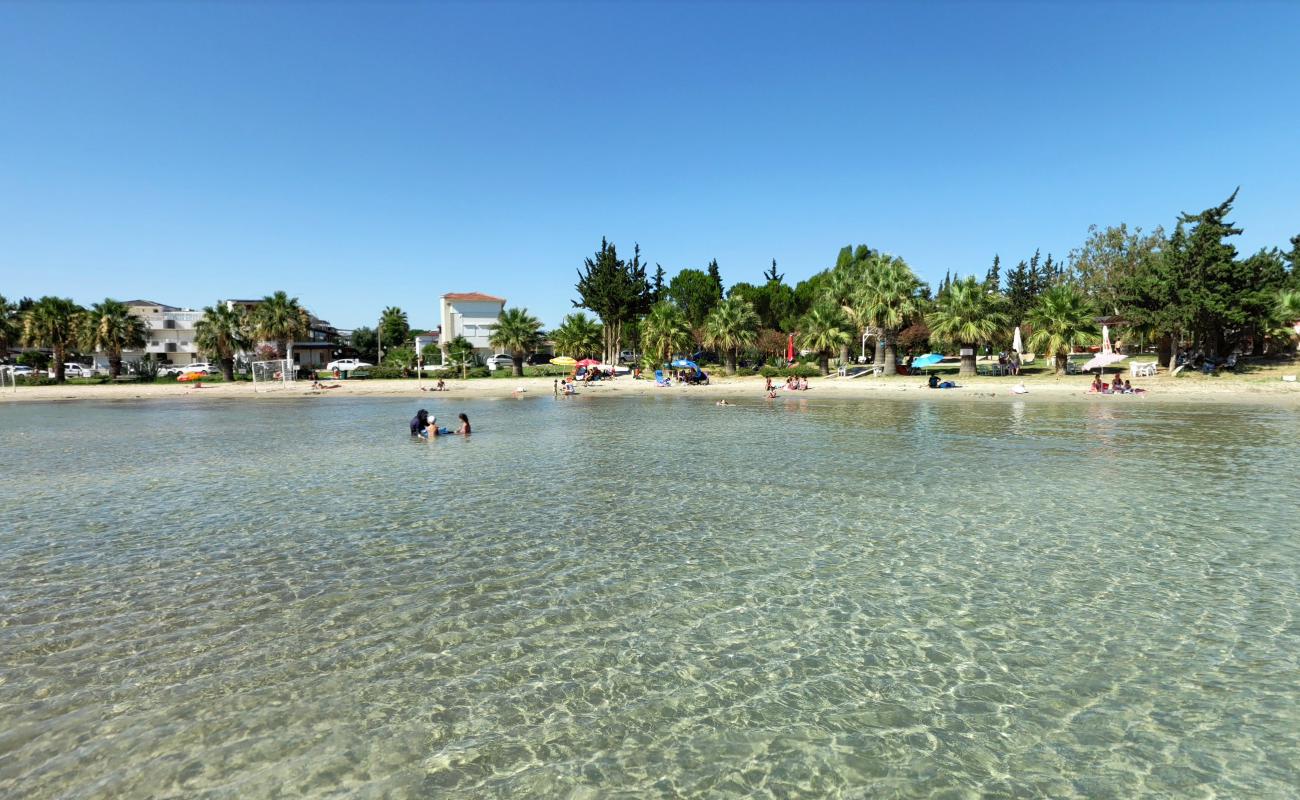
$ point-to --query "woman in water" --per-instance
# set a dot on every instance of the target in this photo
(420, 423)
(463, 430)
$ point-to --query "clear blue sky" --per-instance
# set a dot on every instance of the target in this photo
(366, 155)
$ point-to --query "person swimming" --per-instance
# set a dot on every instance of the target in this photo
(464, 425)
(433, 430)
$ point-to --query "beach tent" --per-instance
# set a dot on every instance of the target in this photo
(927, 360)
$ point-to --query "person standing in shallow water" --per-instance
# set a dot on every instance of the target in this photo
(463, 430)
(420, 422)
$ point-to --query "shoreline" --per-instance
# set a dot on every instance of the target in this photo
(1265, 390)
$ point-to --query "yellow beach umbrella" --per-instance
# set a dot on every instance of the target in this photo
(564, 361)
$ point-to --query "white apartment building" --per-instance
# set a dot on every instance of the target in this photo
(171, 332)
(472, 315)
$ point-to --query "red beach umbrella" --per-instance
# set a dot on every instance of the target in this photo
(588, 362)
(789, 349)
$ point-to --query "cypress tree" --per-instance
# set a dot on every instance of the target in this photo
(715, 275)
(993, 280)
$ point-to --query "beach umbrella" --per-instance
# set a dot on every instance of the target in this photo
(190, 376)
(927, 360)
(789, 350)
(563, 361)
(1103, 360)
(682, 363)
(1015, 342)
(587, 362)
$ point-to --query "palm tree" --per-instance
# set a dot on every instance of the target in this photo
(665, 331)
(967, 314)
(1063, 319)
(281, 320)
(10, 330)
(518, 332)
(888, 301)
(1287, 311)
(222, 333)
(53, 322)
(731, 325)
(111, 328)
(393, 328)
(822, 330)
(578, 336)
(842, 285)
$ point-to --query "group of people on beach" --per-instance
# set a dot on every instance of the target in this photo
(1115, 387)
(792, 384)
(425, 426)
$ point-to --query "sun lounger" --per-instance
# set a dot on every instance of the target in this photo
(660, 380)
(1145, 369)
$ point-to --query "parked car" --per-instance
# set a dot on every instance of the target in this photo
(77, 371)
(538, 359)
(18, 370)
(347, 365)
(500, 361)
(629, 357)
(201, 367)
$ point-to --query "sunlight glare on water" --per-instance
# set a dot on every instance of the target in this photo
(649, 598)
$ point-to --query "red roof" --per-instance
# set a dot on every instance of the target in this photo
(473, 297)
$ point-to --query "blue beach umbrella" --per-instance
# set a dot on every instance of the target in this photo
(681, 363)
(927, 360)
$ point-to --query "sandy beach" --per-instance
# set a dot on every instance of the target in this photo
(1262, 388)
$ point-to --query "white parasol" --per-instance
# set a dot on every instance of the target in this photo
(1015, 342)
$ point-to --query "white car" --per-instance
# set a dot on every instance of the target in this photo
(629, 357)
(347, 365)
(500, 361)
(77, 371)
(201, 367)
(17, 370)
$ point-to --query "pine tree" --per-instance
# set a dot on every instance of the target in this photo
(771, 275)
(616, 290)
(1020, 292)
(657, 288)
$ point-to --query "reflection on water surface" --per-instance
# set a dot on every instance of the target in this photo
(648, 598)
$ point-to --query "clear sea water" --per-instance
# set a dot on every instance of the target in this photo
(623, 598)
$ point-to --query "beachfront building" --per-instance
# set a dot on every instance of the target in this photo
(322, 344)
(171, 334)
(472, 315)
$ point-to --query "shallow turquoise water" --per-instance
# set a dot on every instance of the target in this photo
(649, 598)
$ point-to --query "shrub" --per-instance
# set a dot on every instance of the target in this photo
(147, 370)
(798, 371)
(384, 371)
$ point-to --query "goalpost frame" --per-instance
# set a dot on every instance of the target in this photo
(274, 374)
